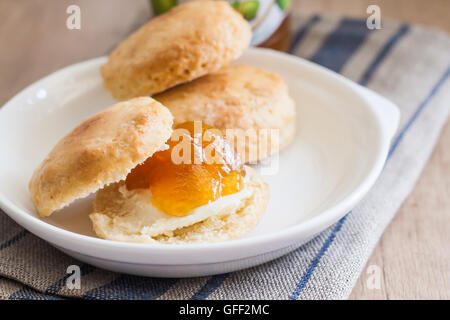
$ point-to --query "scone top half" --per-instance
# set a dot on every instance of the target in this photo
(102, 150)
(189, 41)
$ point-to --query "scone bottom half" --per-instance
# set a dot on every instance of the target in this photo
(117, 217)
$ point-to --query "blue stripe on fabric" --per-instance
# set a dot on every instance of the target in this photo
(402, 31)
(127, 287)
(418, 111)
(347, 37)
(209, 287)
(394, 146)
(302, 32)
(341, 44)
(14, 239)
(304, 280)
(27, 293)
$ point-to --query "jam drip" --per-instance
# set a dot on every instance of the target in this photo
(198, 167)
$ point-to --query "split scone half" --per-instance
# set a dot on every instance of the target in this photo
(121, 153)
(252, 104)
(129, 215)
(189, 41)
(98, 152)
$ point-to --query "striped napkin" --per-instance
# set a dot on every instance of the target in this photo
(407, 64)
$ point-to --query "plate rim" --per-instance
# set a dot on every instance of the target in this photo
(266, 243)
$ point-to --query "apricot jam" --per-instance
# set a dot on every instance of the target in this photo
(198, 167)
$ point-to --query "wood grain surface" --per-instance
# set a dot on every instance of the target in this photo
(413, 254)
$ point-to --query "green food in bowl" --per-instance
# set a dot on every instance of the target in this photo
(283, 4)
(162, 6)
(249, 9)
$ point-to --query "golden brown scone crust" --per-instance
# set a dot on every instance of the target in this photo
(110, 203)
(100, 151)
(189, 41)
(236, 97)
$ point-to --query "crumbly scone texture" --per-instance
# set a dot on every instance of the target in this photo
(235, 224)
(99, 151)
(237, 97)
(189, 41)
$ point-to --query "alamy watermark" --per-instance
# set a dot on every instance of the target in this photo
(222, 146)
(374, 20)
(373, 281)
(73, 281)
(73, 21)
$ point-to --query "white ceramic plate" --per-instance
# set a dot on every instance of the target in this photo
(344, 132)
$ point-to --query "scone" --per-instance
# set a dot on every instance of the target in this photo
(98, 152)
(238, 97)
(208, 198)
(156, 182)
(189, 41)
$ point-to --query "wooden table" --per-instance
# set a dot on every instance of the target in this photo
(413, 252)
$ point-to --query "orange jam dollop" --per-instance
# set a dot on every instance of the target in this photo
(198, 167)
